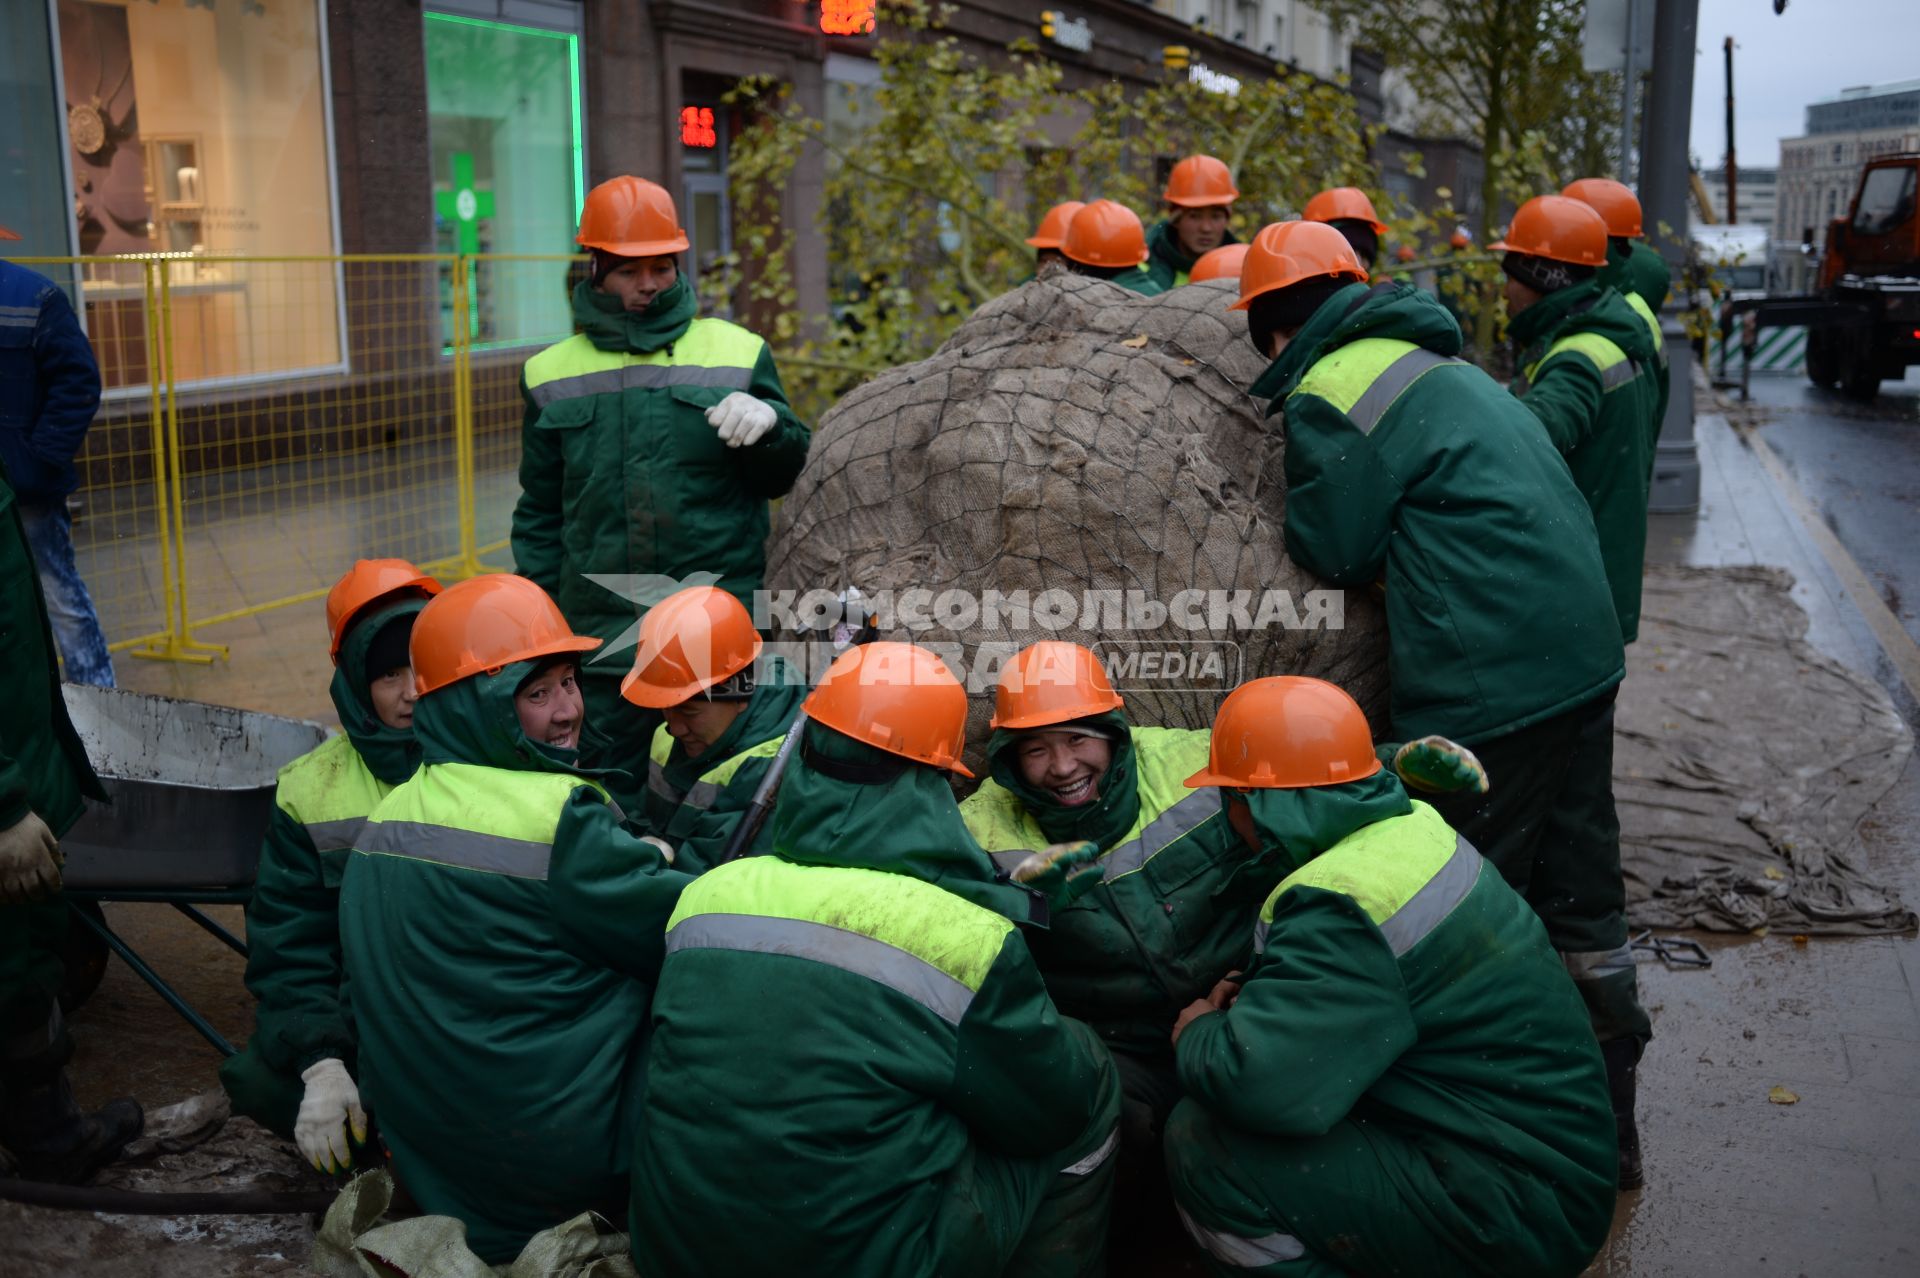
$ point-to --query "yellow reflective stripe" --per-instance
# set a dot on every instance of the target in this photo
(1615, 369)
(523, 806)
(328, 786)
(1387, 867)
(707, 343)
(462, 849)
(1645, 312)
(702, 793)
(661, 747)
(954, 936)
(998, 820)
(1344, 376)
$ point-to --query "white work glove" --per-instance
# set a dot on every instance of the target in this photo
(741, 419)
(29, 861)
(330, 1103)
(665, 848)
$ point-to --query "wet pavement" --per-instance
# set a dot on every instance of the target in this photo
(1738, 1182)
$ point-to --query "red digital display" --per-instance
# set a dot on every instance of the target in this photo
(696, 127)
(846, 17)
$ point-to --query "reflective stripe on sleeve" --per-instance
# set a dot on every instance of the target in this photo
(1243, 1253)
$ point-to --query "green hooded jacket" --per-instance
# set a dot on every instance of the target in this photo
(501, 1054)
(1409, 467)
(695, 804)
(1641, 270)
(1176, 907)
(833, 1037)
(43, 766)
(1400, 982)
(1168, 264)
(620, 472)
(294, 966)
(1589, 372)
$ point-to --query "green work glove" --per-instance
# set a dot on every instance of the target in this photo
(1062, 872)
(1436, 765)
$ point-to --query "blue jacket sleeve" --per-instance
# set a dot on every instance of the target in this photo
(1340, 496)
(1322, 1015)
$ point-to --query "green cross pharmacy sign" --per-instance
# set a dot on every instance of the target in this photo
(464, 206)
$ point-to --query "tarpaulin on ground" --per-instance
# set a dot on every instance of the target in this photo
(1744, 762)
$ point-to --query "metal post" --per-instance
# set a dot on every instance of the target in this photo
(1733, 165)
(1629, 82)
(1663, 200)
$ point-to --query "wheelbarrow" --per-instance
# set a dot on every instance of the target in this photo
(192, 791)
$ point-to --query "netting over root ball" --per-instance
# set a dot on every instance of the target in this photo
(1093, 455)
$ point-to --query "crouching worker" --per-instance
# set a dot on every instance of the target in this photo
(501, 1064)
(854, 1071)
(296, 1075)
(725, 720)
(1404, 1082)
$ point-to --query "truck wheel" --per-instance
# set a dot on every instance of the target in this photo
(1860, 369)
(1822, 365)
(85, 956)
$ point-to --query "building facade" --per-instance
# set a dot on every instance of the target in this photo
(1758, 193)
(1820, 170)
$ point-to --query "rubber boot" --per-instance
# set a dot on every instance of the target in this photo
(52, 1139)
(1622, 1057)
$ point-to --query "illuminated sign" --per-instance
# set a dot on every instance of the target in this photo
(696, 127)
(846, 17)
(1212, 81)
(1068, 33)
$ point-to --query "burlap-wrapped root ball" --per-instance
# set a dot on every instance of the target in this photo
(1091, 454)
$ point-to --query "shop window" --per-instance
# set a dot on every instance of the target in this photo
(197, 129)
(503, 107)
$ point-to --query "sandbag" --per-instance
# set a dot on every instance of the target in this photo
(1073, 437)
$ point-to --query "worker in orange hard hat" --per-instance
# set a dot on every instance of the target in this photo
(1049, 237)
(1222, 263)
(1199, 202)
(845, 1010)
(1408, 466)
(451, 913)
(1634, 268)
(727, 710)
(1348, 210)
(296, 1075)
(652, 441)
(1403, 1029)
(1104, 240)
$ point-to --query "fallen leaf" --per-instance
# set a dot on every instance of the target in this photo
(1781, 1096)
(1189, 362)
(1800, 939)
(1660, 665)
(1137, 341)
(1775, 873)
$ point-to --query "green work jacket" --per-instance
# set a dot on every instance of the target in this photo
(43, 766)
(1410, 467)
(1402, 984)
(502, 1057)
(1168, 264)
(1171, 916)
(695, 804)
(622, 476)
(830, 1043)
(1588, 372)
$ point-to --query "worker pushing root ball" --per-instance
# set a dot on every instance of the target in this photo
(1049, 237)
(1348, 210)
(1199, 201)
(499, 1052)
(296, 1074)
(1403, 1082)
(727, 710)
(854, 1069)
(1104, 240)
(652, 441)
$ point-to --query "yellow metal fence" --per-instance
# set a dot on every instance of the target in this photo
(266, 421)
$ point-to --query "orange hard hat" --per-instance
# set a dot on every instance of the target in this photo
(1460, 239)
(483, 623)
(1222, 263)
(1343, 204)
(1615, 201)
(5, 234)
(895, 697)
(1053, 227)
(631, 217)
(1288, 733)
(1051, 682)
(692, 640)
(1285, 253)
(1404, 253)
(1200, 181)
(1559, 229)
(368, 582)
(1105, 234)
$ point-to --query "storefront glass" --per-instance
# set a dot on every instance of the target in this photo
(503, 106)
(197, 129)
(33, 202)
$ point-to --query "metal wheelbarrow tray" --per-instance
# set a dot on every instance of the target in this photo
(192, 789)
